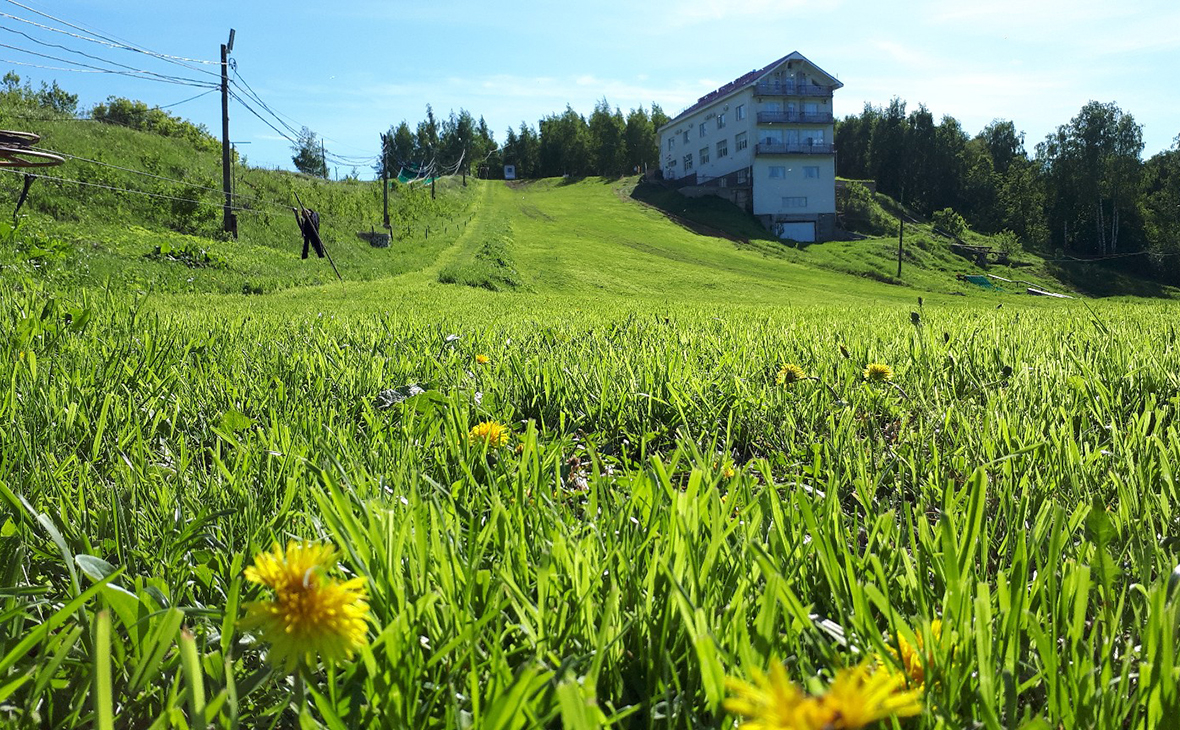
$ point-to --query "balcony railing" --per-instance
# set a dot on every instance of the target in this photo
(794, 148)
(769, 88)
(794, 117)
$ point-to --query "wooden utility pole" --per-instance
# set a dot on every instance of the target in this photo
(324, 159)
(900, 237)
(228, 222)
(385, 179)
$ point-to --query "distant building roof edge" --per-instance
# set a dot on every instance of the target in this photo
(742, 82)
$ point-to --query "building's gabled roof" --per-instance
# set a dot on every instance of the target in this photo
(749, 79)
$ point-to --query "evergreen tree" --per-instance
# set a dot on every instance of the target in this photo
(426, 142)
(607, 131)
(640, 138)
(308, 156)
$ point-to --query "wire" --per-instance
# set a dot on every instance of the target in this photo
(279, 117)
(250, 109)
(130, 190)
(47, 68)
(139, 73)
(219, 191)
(185, 101)
(109, 40)
(65, 48)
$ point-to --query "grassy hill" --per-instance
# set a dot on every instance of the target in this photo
(608, 236)
(102, 237)
(589, 448)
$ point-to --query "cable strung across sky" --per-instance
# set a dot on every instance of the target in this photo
(284, 125)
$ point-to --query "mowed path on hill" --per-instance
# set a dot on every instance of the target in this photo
(590, 239)
(588, 243)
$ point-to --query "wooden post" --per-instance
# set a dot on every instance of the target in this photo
(900, 237)
(324, 160)
(385, 181)
(228, 224)
(432, 188)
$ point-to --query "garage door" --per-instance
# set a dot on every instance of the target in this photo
(804, 232)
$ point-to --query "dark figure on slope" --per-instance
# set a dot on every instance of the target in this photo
(309, 226)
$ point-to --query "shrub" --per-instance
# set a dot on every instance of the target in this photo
(863, 214)
(138, 115)
(950, 222)
(1008, 242)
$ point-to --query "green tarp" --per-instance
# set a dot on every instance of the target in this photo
(408, 175)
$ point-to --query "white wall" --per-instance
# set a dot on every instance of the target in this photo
(715, 167)
(820, 192)
(768, 193)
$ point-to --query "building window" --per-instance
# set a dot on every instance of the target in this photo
(704, 128)
(740, 112)
(671, 142)
(722, 148)
(704, 154)
(811, 172)
(739, 141)
(686, 136)
(795, 202)
(721, 121)
(688, 161)
(778, 172)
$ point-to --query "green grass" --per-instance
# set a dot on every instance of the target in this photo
(109, 233)
(608, 562)
(663, 516)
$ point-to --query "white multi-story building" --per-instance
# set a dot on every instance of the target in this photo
(763, 141)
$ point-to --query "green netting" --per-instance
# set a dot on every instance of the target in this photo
(408, 175)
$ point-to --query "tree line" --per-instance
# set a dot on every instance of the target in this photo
(1084, 190)
(605, 143)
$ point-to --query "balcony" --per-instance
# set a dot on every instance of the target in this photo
(790, 88)
(794, 117)
(793, 148)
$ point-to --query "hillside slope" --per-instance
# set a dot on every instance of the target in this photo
(122, 194)
(148, 218)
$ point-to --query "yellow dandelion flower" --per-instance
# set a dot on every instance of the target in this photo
(856, 698)
(728, 472)
(865, 694)
(769, 702)
(878, 372)
(311, 613)
(915, 660)
(489, 432)
(789, 373)
(482, 359)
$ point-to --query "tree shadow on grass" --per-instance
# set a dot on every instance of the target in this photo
(1104, 280)
(706, 216)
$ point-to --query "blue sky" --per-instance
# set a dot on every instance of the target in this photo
(351, 69)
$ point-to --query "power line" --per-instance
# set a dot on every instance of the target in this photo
(48, 68)
(160, 177)
(279, 117)
(65, 48)
(185, 101)
(250, 109)
(126, 190)
(109, 40)
(138, 73)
